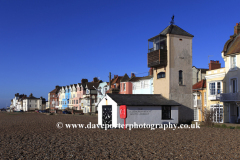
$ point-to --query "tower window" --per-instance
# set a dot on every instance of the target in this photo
(180, 77)
(161, 75)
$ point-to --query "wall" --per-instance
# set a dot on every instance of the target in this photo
(114, 110)
(180, 52)
(147, 115)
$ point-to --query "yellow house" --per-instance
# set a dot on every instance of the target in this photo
(199, 100)
(215, 86)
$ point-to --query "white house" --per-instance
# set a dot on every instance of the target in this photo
(141, 108)
(32, 103)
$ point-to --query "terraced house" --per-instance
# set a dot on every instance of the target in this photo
(53, 98)
(231, 95)
(215, 86)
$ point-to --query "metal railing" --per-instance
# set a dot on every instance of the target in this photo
(230, 97)
(214, 94)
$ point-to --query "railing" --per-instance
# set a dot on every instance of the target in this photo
(157, 58)
(214, 94)
(197, 103)
(224, 97)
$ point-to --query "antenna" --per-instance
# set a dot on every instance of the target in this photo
(209, 56)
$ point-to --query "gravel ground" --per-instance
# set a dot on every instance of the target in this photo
(35, 136)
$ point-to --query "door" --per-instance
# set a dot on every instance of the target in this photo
(106, 114)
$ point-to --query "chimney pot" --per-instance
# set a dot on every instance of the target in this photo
(132, 75)
(214, 65)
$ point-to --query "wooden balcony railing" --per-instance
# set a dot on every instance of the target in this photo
(157, 58)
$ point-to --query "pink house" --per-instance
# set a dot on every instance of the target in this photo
(125, 85)
(80, 93)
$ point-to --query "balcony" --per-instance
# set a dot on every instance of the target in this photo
(228, 97)
(214, 94)
(197, 103)
(157, 58)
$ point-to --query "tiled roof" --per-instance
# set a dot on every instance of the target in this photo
(134, 79)
(199, 85)
(91, 84)
(146, 77)
(125, 78)
(173, 29)
(142, 100)
(234, 46)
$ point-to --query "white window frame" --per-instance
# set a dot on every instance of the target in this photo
(231, 84)
(233, 62)
(215, 87)
(124, 86)
(216, 106)
(205, 99)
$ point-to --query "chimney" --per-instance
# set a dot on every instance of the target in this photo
(150, 71)
(237, 29)
(95, 79)
(31, 95)
(84, 80)
(214, 65)
(57, 86)
(115, 76)
(132, 75)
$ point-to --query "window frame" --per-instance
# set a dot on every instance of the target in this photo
(161, 75)
(164, 114)
(180, 77)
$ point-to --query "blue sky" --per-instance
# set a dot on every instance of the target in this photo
(59, 42)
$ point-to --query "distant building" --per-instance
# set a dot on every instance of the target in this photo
(198, 74)
(32, 103)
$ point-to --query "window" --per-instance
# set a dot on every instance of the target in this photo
(76, 101)
(217, 110)
(195, 114)
(180, 77)
(105, 90)
(115, 85)
(87, 91)
(161, 75)
(233, 61)
(205, 99)
(234, 85)
(212, 88)
(166, 112)
(124, 86)
(30, 105)
(53, 95)
(35, 101)
(35, 106)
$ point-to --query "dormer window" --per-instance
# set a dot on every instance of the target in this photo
(233, 61)
(87, 91)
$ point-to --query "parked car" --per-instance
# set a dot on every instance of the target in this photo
(66, 112)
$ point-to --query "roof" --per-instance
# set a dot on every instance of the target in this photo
(134, 79)
(204, 70)
(173, 29)
(125, 78)
(232, 46)
(142, 100)
(146, 77)
(91, 84)
(199, 85)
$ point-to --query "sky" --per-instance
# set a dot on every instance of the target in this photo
(58, 42)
